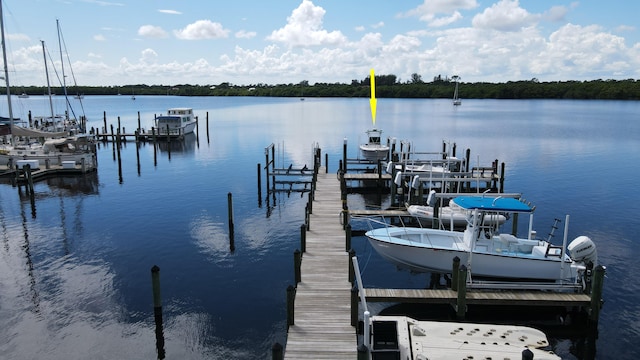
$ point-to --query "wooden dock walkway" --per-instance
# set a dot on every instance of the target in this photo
(322, 327)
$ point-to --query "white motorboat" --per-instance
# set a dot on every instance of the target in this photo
(484, 251)
(402, 337)
(373, 149)
(177, 123)
(450, 216)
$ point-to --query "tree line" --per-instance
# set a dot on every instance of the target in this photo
(387, 86)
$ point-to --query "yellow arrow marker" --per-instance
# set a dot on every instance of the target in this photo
(373, 102)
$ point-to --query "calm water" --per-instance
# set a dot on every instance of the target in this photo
(75, 265)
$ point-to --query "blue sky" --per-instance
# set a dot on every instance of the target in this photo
(244, 42)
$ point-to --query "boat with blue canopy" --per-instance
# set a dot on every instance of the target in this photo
(482, 248)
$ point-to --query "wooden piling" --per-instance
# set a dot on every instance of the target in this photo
(297, 262)
(291, 297)
(354, 306)
(157, 310)
(231, 225)
(207, 127)
(303, 238)
(259, 186)
(277, 352)
(347, 233)
(352, 271)
(344, 156)
(596, 293)
(455, 273)
(461, 304)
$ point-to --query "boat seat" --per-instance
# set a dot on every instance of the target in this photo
(508, 239)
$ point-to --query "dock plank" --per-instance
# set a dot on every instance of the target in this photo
(322, 308)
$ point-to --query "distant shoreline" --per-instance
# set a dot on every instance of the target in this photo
(441, 89)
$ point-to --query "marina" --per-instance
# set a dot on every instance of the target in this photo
(204, 314)
(317, 313)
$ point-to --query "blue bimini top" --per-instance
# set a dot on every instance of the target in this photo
(492, 204)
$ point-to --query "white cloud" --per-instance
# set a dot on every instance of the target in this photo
(99, 37)
(304, 28)
(378, 25)
(18, 37)
(242, 34)
(430, 9)
(149, 55)
(170, 12)
(506, 15)
(584, 50)
(202, 29)
(151, 31)
(103, 3)
(445, 20)
(556, 13)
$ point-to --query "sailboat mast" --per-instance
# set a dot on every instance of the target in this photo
(6, 75)
(64, 78)
(46, 71)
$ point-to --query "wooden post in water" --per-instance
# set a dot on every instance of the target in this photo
(303, 238)
(455, 273)
(502, 177)
(347, 232)
(104, 119)
(291, 297)
(259, 186)
(344, 156)
(352, 271)
(461, 304)
(207, 127)
(139, 131)
(326, 163)
(277, 352)
(596, 293)
(231, 226)
(297, 262)
(354, 306)
(157, 310)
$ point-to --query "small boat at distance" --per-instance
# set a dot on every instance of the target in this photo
(373, 149)
(177, 123)
(456, 99)
(483, 250)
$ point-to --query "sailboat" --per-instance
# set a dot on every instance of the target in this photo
(65, 151)
(456, 99)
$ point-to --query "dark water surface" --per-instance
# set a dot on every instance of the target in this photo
(75, 279)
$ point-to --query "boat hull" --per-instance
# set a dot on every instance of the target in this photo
(433, 250)
(374, 152)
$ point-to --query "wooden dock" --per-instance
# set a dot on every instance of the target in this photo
(448, 296)
(322, 327)
(320, 316)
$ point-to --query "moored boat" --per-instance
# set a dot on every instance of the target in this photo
(450, 216)
(373, 149)
(177, 123)
(483, 250)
